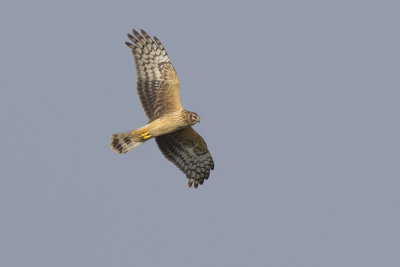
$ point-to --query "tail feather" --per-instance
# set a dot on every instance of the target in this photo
(124, 142)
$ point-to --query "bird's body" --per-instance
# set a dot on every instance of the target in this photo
(169, 123)
(166, 124)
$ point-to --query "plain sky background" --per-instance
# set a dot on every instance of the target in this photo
(299, 105)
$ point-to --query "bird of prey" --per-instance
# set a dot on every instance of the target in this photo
(169, 123)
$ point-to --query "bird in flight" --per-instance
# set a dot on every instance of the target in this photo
(169, 123)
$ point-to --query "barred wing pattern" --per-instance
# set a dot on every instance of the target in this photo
(188, 151)
(157, 84)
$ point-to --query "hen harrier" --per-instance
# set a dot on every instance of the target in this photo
(169, 123)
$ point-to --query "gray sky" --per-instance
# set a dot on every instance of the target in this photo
(299, 105)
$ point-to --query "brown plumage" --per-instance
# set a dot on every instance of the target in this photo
(169, 123)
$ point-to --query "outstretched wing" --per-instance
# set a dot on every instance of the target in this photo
(188, 151)
(157, 81)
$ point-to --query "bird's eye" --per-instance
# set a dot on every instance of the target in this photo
(194, 117)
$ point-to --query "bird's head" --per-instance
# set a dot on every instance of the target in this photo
(193, 117)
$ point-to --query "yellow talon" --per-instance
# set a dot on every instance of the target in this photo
(146, 135)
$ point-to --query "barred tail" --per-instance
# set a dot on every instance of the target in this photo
(126, 141)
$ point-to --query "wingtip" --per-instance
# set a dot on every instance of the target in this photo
(130, 36)
(190, 183)
(137, 34)
(131, 46)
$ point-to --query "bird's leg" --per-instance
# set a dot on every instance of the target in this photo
(146, 135)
